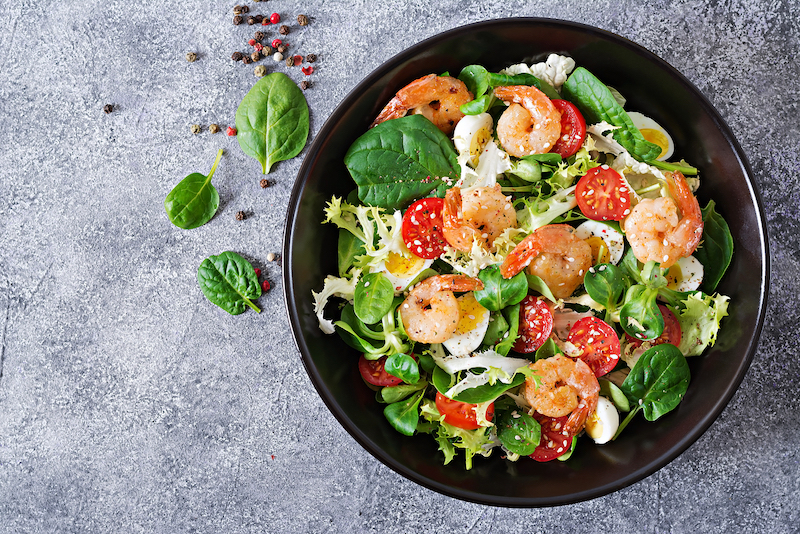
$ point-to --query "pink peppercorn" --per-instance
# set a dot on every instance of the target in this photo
(265, 286)
(231, 131)
(259, 47)
(297, 60)
(308, 70)
(251, 42)
(258, 272)
(276, 43)
(274, 18)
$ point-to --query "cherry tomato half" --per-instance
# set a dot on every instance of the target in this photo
(422, 228)
(372, 372)
(598, 342)
(555, 440)
(672, 330)
(602, 195)
(573, 129)
(460, 414)
(535, 325)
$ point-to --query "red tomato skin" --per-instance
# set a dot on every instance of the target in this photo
(573, 127)
(672, 330)
(555, 440)
(597, 189)
(372, 372)
(535, 325)
(602, 353)
(460, 414)
(422, 228)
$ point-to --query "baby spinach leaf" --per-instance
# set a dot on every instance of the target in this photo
(511, 315)
(443, 381)
(403, 367)
(272, 120)
(606, 283)
(716, 250)
(400, 160)
(640, 316)
(547, 350)
(391, 394)
(519, 432)
(349, 248)
(374, 295)
(656, 384)
(404, 415)
(498, 326)
(499, 292)
(597, 104)
(478, 106)
(194, 201)
(539, 285)
(476, 78)
(229, 281)
(351, 337)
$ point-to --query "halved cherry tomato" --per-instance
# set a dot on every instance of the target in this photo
(573, 129)
(535, 325)
(598, 342)
(672, 330)
(460, 414)
(372, 372)
(422, 228)
(602, 195)
(555, 440)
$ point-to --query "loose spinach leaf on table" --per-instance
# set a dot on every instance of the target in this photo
(400, 160)
(194, 201)
(229, 281)
(272, 120)
(716, 250)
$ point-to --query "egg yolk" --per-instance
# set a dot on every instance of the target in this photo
(674, 276)
(594, 426)
(656, 137)
(472, 313)
(480, 138)
(402, 266)
(600, 252)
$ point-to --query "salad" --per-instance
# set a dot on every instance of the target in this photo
(523, 264)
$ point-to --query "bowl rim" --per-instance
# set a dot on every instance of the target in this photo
(294, 319)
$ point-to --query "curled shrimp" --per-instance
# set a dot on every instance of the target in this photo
(438, 98)
(531, 124)
(553, 253)
(566, 387)
(478, 213)
(431, 312)
(665, 229)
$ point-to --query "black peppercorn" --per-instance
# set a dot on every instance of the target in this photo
(259, 19)
(305, 84)
(108, 108)
(240, 215)
(264, 183)
(245, 9)
(302, 20)
(284, 29)
(282, 48)
(247, 60)
(238, 19)
(237, 10)
(251, 20)
(258, 36)
(311, 58)
(237, 56)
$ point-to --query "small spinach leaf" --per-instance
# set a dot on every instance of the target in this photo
(391, 394)
(476, 78)
(498, 326)
(640, 316)
(374, 296)
(443, 381)
(403, 367)
(352, 338)
(511, 315)
(548, 349)
(229, 281)
(349, 248)
(606, 283)
(499, 292)
(194, 201)
(717, 249)
(519, 432)
(404, 415)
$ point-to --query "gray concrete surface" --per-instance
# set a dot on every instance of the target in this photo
(128, 403)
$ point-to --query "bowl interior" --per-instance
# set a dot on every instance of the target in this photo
(701, 137)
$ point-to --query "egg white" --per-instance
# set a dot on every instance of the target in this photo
(471, 327)
(471, 134)
(613, 239)
(401, 272)
(650, 130)
(686, 274)
(602, 424)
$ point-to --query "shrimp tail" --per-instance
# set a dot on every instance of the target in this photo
(522, 255)
(689, 231)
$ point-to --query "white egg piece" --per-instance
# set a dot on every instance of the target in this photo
(471, 134)
(655, 133)
(401, 269)
(602, 424)
(471, 327)
(607, 242)
(686, 274)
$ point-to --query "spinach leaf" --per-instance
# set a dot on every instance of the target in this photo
(499, 292)
(606, 283)
(539, 285)
(656, 384)
(229, 281)
(479, 105)
(391, 394)
(566, 456)
(548, 349)
(443, 381)
(511, 315)
(476, 78)
(518, 432)
(403, 367)
(374, 296)
(400, 160)
(639, 315)
(349, 248)
(272, 120)
(598, 104)
(194, 201)
(496, 80)
(498, 326)
(717, 249)
(404, 415)
(353, 339)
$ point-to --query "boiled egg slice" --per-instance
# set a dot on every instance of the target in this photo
(402, 269)
(653, 132)
(607, 243)
(686, 274)
(603, 422)
(471, 135)
(471, 327)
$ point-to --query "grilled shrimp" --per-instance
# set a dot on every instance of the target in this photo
(566, 387)
(478, 213)
(438, 98)
(531, 124)
(431, 312)
(553, 253)
(665, 229)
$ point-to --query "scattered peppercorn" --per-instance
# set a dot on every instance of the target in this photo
(305, 84)
(265, 286)
(290, 62)
(296, 60)
(245, 9)
(260, 71)
(257, 271)
(265, 22)
(237, 56)
(264, 183)
(311, 58)
(284, 29)
(259, 19)
(231, 131)
(240, 215)
(282, 48)
(251, 20)
(258, 46)
(258, 36)
(195, 129)
(237, 10)
(255, 56)
(191, 57)
(307, 70)
(213, 128)
(274, 18)
(108, 108)
(277, 56)
(271, 256)
(276, 43)
(238, 19)
(251, 42)
(302, 20)
(247, 60)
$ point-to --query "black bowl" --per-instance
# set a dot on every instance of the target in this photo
(701, 137)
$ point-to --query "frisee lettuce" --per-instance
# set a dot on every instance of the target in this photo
(700, 320)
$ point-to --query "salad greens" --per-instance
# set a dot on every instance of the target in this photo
(229, 281)
(194, 201)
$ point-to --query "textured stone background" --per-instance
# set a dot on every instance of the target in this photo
(130, 404)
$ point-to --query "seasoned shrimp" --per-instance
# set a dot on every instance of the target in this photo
(531, 124)
(566, 386)
(431, 312)
(553, 253)
(668, 228)
(478, 213)
(438, 98)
